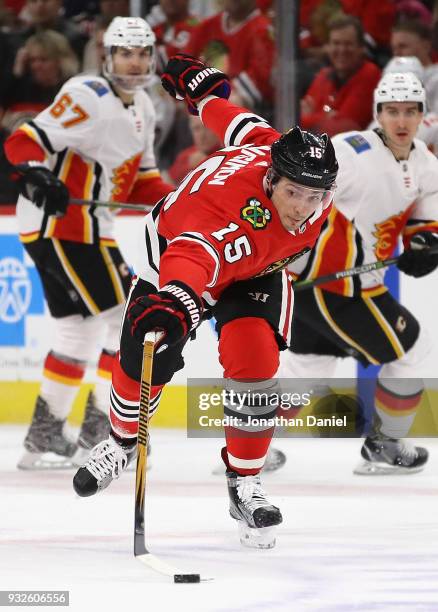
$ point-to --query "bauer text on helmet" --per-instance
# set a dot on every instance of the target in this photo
(306, 158)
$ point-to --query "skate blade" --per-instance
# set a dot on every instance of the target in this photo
(370, 468)
(251, 537)
(44, 461)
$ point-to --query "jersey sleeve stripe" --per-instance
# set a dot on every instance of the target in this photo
(43, 137)
(232, 134)
(247, 129)
(152, 244)
(199, 238)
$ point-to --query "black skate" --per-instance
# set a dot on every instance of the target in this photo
(384, 455)
(95, 428)
(45, 443)
(106, 462)
(256, 517)
(275, 459)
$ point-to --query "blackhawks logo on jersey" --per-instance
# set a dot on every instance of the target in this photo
(255, 214)
(279, 265)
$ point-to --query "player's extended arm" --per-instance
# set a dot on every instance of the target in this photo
(206, 92)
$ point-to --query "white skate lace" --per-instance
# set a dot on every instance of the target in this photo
(106, 458)
(250, 492)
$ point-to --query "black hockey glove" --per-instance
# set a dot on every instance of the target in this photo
(186, 77)
(175, 310)
(44, 189)
(418, 261)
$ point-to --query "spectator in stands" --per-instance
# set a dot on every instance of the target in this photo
(340, 97)
(46, 15)
(173, 34)
(239, 41)
(414, 38)
(114, 8)
(204, 143)
(94, 52)
(377, 18)
(41, 67)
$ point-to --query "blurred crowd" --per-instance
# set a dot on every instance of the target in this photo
(343, 47)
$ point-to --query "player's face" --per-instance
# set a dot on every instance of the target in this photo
(131, 61)
(400, 121)
(295, 203)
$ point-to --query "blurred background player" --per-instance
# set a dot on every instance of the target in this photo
(198, 254)
(387, 187)
(428, 128)
(94, 142)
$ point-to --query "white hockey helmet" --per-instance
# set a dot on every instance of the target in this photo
(128, 32)
(405, 64)
(399, 87)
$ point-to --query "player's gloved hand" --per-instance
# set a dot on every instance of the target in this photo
(418, 261)
(44, 189)
(186, 77)
(176, 310)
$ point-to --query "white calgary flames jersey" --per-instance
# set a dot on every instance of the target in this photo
(99, 148)
(377, 200)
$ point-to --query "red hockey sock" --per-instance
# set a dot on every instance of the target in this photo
(249, 352)
(124, 403)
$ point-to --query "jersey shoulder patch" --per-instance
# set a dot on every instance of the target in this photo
(358, 142)
(97, 87)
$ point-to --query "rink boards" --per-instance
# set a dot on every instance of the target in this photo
(25, 332)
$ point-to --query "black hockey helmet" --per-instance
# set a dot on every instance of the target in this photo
(306, 158)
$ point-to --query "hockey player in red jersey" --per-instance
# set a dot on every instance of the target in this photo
(94, 142)
(222, 238)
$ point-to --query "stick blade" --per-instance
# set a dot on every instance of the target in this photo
(166, 569)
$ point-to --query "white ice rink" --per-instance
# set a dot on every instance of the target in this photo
(347, 542)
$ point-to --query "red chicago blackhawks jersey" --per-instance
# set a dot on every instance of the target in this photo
(245, 52)
(219, 226)
(100, 148)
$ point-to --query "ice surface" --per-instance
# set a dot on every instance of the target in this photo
(347, 542)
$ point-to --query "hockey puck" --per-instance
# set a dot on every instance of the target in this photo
(186, 578)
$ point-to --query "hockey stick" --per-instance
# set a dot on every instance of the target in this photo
(328, 278)
(140, 550)
(112, 205)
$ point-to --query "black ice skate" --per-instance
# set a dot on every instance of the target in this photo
(95, 428)
(384, 455)
(106, 462)
(45, 443)
(256, 517)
